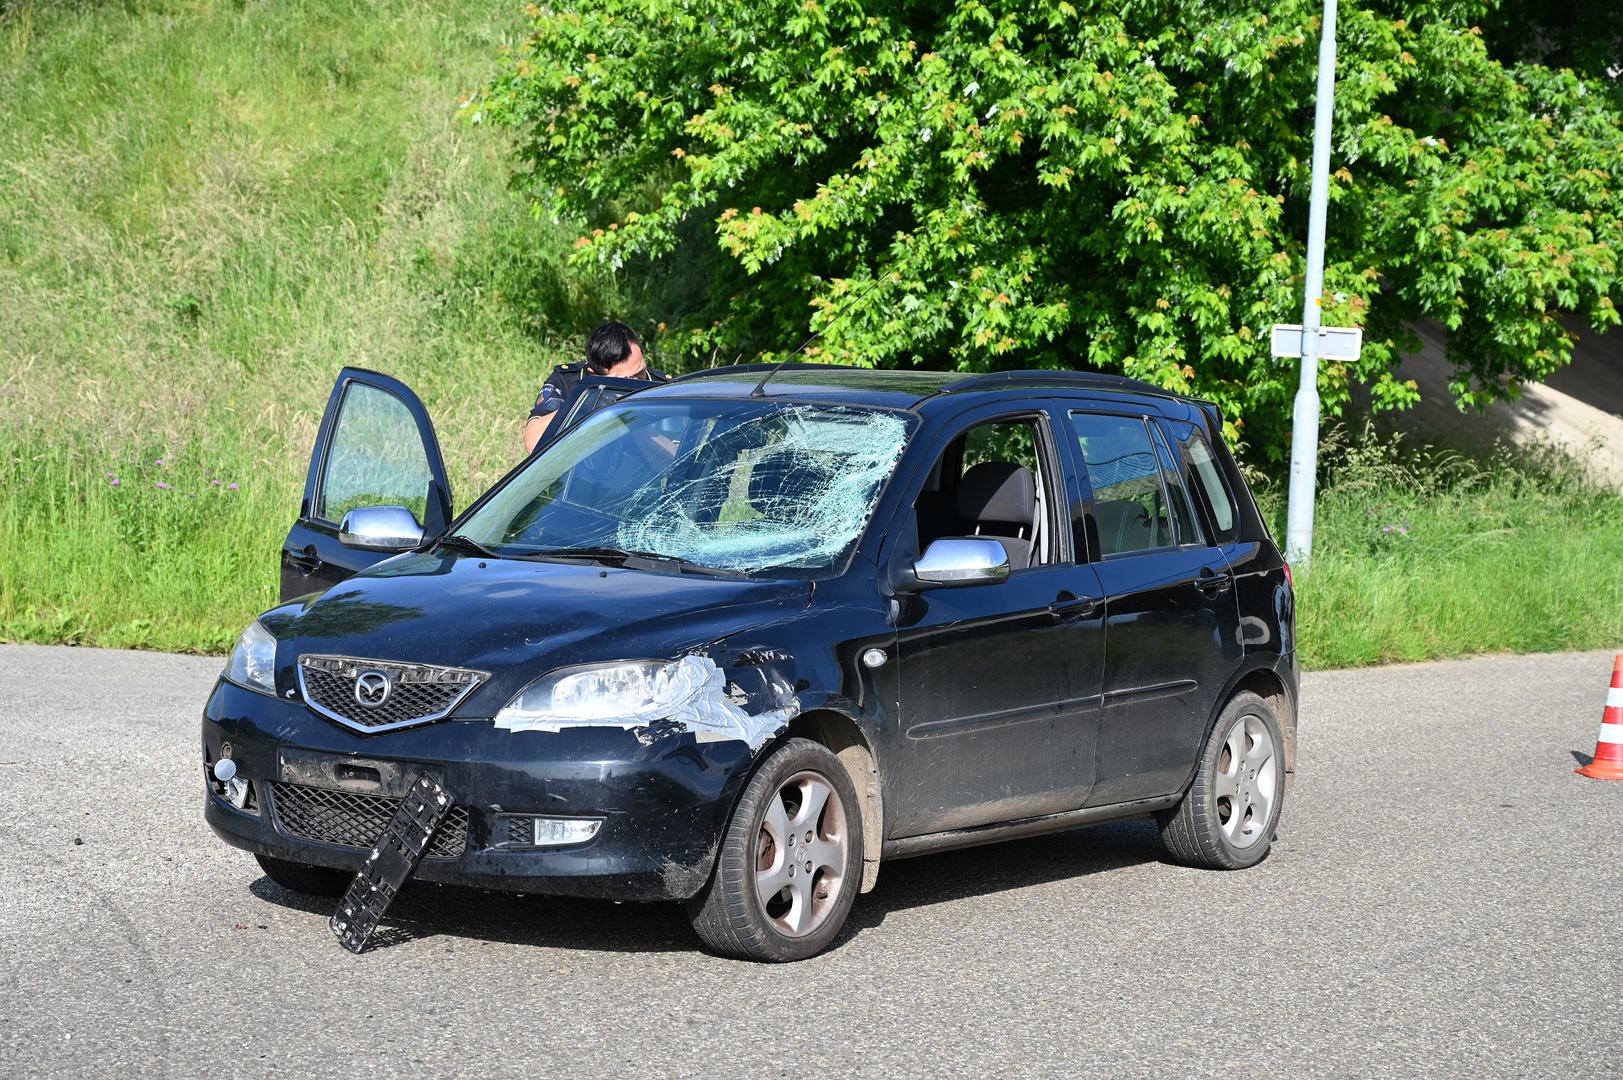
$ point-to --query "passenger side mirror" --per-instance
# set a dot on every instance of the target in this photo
(380, 528)
(961, 560)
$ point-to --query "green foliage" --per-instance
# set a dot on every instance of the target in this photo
(1114, 185)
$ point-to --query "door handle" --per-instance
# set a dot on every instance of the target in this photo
(305, 562)
(1067, 606)
(1212, 582)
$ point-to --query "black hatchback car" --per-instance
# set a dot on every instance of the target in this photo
(737, 639)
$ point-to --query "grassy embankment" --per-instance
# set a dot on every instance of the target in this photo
(205, 212)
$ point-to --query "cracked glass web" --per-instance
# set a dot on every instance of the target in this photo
(792, 487)
(735, 485)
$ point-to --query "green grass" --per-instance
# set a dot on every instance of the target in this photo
(206, 209)
(1424, 553)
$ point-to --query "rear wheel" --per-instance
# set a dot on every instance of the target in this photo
(791, 861)
(1227, 818)
(311, 880)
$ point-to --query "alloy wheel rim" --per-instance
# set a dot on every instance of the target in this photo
(800, 854)
(1247, 782)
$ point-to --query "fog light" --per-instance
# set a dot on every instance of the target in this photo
(236, 792)
(559, 831)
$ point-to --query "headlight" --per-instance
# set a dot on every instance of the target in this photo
(591, 695)
(253, 660)
(690, 693)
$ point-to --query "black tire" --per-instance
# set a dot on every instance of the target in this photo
(729, 915)
(1203, 830)
(310, 880)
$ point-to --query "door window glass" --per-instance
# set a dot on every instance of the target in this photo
(375, 457)
(1001, 440)
(1129, 502)
(991, 481)
(1206, 476)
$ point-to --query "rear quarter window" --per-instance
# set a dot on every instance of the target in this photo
(1206, 479)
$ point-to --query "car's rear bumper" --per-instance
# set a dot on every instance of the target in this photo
(664, 806)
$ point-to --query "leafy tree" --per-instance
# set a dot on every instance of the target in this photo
(1115, 185)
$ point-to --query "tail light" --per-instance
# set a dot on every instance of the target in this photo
(1288, 579)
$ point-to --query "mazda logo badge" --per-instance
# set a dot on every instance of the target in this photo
(372, 688)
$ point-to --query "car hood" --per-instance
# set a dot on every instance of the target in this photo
(521, 619)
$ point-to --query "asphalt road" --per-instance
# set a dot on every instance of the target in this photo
(1446, 898)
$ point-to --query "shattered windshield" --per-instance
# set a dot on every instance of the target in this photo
(726, 484)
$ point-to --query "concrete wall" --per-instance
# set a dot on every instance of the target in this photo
(1579, 409)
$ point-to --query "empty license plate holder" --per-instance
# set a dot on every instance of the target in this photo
(391, 861)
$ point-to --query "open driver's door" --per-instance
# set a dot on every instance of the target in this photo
(376, 447)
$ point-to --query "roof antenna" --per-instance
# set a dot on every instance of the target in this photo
(760, 387)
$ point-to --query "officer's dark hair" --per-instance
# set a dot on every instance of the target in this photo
(609, 345)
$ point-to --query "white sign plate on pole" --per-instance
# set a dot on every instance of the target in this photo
(1335, 342)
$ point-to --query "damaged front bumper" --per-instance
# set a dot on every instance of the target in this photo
(317, 789)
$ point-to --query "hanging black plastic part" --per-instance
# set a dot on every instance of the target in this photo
(760, 387)
(393, 859)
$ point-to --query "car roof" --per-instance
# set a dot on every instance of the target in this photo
(837, 383)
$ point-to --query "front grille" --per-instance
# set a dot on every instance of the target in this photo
(354, 820)
(521, 831)
(378, 695)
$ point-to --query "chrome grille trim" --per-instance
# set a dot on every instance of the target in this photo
(419, 693)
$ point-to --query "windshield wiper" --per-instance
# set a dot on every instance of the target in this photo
(614, 556)
(464, 543)
(611, 555)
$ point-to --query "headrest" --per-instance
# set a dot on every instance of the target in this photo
(998, 491)
(1124, 525)
(1117, 514)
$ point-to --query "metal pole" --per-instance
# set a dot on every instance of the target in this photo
(1305, 415)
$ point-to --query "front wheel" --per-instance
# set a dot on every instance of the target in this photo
(790, 863)
(1227, 818)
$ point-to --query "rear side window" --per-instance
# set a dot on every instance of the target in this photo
(1129, 500)
(1206, 477)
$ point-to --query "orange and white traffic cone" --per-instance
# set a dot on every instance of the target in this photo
(1608, 763)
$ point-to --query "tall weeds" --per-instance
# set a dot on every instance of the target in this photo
(1422, 552)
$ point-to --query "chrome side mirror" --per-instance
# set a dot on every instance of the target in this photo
(380, 528)
(962, 560)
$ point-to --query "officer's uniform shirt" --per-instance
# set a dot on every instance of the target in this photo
(562, 382)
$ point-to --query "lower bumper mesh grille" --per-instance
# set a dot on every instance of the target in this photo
(355, 820)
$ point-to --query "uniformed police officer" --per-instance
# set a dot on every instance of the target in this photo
(613, 349)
